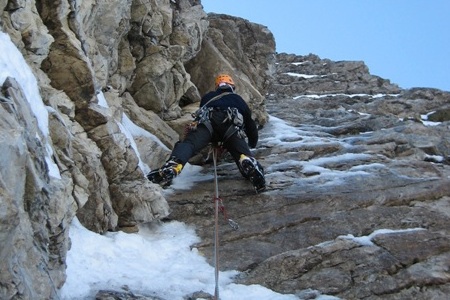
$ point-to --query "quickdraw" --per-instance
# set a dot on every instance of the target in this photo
(233, 224)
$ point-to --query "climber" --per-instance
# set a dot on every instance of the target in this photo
(223, 118)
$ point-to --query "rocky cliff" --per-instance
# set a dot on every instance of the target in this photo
(117, 80)
(358, 201)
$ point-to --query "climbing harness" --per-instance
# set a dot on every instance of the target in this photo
(218, 207)
(204, 113)
(201, 115)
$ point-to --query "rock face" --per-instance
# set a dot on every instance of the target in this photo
(112, 77)
(235, 46)
(358, 200)
(358, 203)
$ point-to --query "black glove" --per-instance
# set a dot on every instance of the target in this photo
(252, 143)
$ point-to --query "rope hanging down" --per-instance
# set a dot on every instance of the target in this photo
(218, 207)
(216, 228)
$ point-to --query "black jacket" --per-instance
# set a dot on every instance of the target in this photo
(234, 100)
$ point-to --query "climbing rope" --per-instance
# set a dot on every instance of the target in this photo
(218, 207)
(216, 227)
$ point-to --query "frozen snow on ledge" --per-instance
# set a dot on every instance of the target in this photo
(367, 240)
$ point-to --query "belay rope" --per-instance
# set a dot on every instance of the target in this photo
(218, 207)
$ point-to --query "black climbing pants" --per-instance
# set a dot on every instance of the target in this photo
(198, 139)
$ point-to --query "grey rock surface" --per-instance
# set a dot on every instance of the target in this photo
(358, 201)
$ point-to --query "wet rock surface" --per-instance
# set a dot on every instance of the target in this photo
(358, 198)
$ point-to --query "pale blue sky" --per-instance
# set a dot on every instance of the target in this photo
(405, 41)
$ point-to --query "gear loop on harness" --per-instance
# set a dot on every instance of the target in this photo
(236, 120)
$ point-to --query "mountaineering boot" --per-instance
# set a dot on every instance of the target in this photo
(164, 175)
(252, 170)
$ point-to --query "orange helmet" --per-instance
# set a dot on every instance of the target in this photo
(224, 78)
